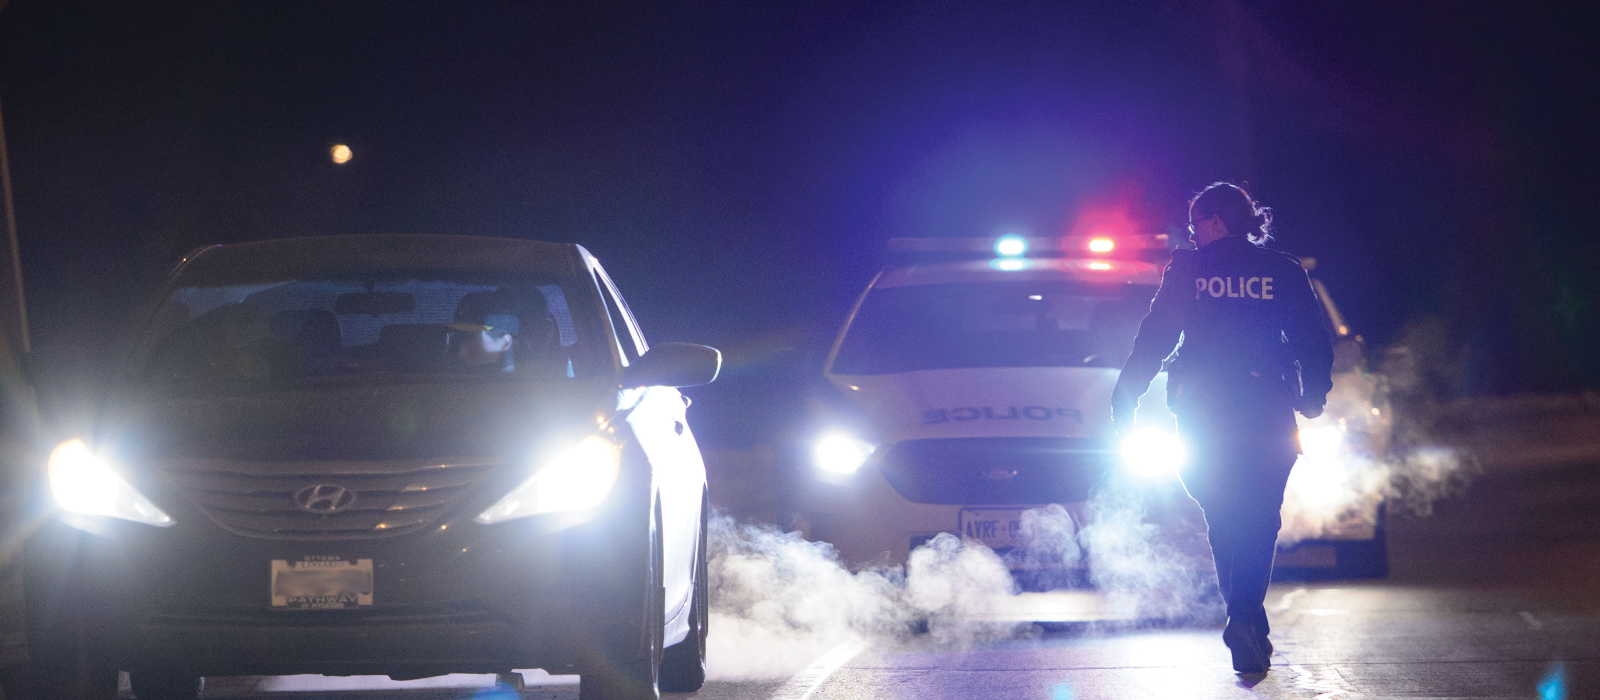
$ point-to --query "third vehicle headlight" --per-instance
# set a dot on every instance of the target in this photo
(1322, 441)
(840, 453)
(577, 479)
(84, 484)
(1152, 453)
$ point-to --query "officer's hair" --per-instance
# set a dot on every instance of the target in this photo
(1240, 213)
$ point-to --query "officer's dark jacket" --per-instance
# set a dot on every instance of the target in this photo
(1246, 314)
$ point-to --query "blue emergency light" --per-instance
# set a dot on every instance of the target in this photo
(1011, 246)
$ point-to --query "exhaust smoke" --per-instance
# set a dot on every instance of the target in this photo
(1359, 456)
(1152, 566)
(778, 601)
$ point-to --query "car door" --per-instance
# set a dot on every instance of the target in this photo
(659, 420)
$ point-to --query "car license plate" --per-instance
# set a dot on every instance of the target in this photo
(996, 528)
(321, 583)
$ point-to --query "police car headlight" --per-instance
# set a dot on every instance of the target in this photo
(577, 479)
(1152, 453)
(841, 453)
(1321, 441)
(82, 483)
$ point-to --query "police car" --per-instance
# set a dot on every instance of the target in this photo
(971, 385)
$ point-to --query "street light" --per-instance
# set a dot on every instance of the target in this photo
(341, 154)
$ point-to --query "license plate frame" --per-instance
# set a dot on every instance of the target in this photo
(321, 582)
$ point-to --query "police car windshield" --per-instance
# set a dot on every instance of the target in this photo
(321, 332)
(993, 324)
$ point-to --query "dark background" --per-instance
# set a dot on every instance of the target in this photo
(738, 166)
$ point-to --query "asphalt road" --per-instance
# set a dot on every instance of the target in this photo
(1496, 594)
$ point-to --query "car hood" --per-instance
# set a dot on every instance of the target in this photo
(372, 422)
(1070, 402)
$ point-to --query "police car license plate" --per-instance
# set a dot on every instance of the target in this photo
(321, 583)
(996, 528)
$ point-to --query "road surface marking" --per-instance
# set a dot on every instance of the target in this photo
(805, 683)
(1288, 599)
(1325, 681)
(1531, 620)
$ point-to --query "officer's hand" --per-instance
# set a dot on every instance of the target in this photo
(1310, 411)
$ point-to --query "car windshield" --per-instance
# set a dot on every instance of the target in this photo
(993, 324)
(417, 328)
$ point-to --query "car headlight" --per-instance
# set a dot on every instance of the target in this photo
(1321, 441)
(577, 479)
(84, 484)
(1152, 453)
(841, 453)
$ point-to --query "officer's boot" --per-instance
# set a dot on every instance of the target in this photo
(1262, 641)
(1245, 644)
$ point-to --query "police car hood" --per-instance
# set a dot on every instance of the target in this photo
(992, 402)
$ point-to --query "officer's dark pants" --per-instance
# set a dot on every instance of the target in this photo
(1239, 484)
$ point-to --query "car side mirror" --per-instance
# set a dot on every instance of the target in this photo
(675, 364)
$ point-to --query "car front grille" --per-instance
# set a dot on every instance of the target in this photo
(995, 471)
(368, 499)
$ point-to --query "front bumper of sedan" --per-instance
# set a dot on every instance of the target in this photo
(554, 592)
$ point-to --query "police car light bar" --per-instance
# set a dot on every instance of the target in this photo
(1011, 245)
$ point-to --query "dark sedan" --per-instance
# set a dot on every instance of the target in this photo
(401, 455)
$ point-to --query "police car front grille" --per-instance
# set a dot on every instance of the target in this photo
(996, 471)
(390, 499)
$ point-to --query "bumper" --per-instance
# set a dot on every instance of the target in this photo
(870, 523)
(404, 650)
(457, 597)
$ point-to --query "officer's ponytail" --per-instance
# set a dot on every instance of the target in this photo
(1240, 213)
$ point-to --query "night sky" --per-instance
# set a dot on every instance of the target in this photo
(739, 166)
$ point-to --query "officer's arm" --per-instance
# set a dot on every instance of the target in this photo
(1158, 335)
(1310, 340)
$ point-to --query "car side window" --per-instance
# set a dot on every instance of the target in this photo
(632, 341)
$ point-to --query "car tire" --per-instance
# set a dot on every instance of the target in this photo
(1364, 559)
(632, 675)
(43, 680)
(165, 685)
(683, 665)
(63, 662)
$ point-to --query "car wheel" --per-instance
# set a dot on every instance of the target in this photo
(683, 665)
(63, 661)
(1365, 558)
(44, 680)
(165, 685)
(632, 676)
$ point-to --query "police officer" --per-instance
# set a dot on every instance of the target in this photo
(1255, 349)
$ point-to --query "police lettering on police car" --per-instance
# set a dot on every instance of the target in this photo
(935, 416)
